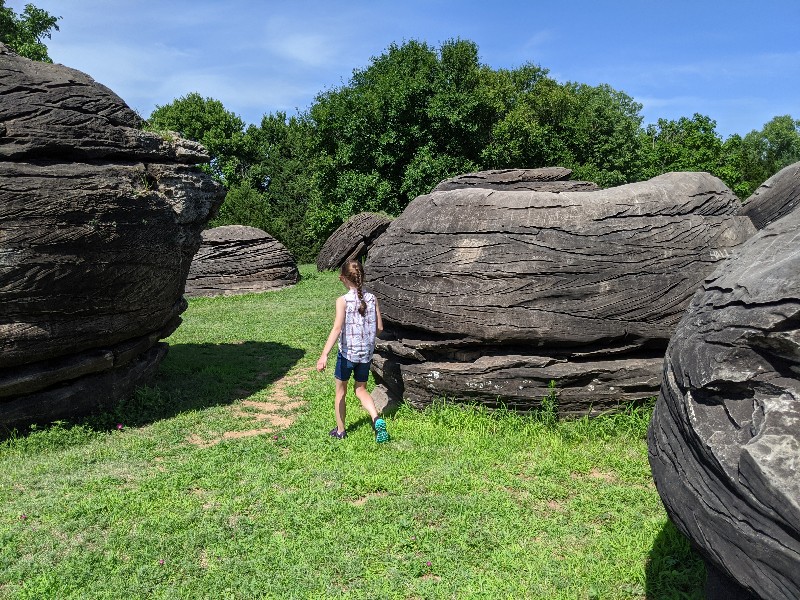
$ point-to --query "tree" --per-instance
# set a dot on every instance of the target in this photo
(24, 33)
(205, 120)
(764, 153)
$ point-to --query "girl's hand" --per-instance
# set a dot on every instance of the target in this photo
(322, 363)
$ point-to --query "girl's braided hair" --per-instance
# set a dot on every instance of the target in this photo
(353, 271)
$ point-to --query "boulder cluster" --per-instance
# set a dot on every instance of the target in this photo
(488, 295)
(100, 223)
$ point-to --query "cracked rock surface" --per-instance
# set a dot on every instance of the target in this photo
(100, 221)
(488, 295)
(724, 441)
(237, 259)
(352, 240)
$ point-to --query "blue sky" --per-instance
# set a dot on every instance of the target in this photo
(736, 61)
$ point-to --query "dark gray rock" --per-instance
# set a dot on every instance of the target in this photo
(491, 289)
(545, 179)
(776, 197)
(724, 441)
(352, 240)
(236, 259)
(100, 221)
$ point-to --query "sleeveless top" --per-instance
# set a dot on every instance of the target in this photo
(357, 340)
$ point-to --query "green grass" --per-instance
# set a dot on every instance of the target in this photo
(462, 503)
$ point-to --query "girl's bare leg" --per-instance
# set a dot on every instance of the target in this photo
(339, 404)
(360, 388)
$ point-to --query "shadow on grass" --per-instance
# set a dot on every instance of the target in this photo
(198, 376)
(674, 569)
(195, 377)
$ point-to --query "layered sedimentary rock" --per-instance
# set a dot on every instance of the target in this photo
(777, 196)
(489, 295)
(100, 221)
(236, 259)
(352, 240)
(545, 179)
(724, 441)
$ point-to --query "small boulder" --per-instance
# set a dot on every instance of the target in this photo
(352, 240)
(237, 259)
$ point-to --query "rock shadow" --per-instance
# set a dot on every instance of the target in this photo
(196, 377)
(674, 569)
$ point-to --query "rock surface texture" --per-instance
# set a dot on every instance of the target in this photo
(236, 259)
(489, 295)
(352, 240)
(546, 179)
(777, 196)
(724, 441)
(100, 221)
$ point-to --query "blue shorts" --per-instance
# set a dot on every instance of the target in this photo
(345, 368)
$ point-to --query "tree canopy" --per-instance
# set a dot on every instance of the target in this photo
(24, 33)
(416, 115)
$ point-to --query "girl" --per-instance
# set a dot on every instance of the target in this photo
(357, 322)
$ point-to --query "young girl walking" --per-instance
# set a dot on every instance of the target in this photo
(357, 322)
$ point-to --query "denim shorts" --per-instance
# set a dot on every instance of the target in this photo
(345, 368)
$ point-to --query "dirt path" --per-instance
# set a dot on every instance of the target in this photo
(272, 415)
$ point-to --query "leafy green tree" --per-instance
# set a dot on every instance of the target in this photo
(764, 153)
(24, 33)
(205, 120)
(276, 190)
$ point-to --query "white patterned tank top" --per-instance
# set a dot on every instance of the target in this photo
(357, 340)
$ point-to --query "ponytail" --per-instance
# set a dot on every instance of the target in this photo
(353, 271)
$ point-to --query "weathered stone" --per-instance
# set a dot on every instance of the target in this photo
(724, 441)
(491, 288)
(236, 259)
(100, 221)
(776, 197)
(546, 179)
(352, 240)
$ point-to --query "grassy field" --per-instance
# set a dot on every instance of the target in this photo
(220, 481)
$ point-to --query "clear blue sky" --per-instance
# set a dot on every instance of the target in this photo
(736, 61)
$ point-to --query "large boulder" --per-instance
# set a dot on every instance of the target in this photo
(236, 259)
(100, 221)
(352, 240)
(489, 295)
(544, 179)
(776, 197)
(724, 440)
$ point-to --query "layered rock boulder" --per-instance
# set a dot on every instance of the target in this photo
(776, 197)
(352, 240)
(100, 221)
(236, 259)
(489, 295)
(545, 179)
(724, 440)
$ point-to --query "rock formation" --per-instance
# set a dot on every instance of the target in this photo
(100, 221)
(776, 197)
(352, 240)
(489, 295)
(546, 179)
(236, 259)
(724, 441)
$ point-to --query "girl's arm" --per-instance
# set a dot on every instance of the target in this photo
(336, 330)
(378, 319)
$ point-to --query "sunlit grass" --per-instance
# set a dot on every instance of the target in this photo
(462, 503)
